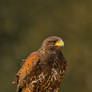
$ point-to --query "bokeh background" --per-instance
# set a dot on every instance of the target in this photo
(24, 24)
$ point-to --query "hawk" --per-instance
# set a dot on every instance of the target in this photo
(44, 69)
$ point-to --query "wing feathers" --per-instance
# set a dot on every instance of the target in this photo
(26, 68)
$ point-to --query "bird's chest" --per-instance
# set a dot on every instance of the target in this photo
(50, 79)
(57, 73)
(51, 74)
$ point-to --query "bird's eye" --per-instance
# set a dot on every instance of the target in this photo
(51, 41)
(54, 41)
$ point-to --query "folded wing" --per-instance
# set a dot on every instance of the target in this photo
(27, 68)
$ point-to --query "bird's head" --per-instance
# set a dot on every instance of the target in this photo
(53, 42)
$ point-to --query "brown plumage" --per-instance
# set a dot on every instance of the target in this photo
(43, 70)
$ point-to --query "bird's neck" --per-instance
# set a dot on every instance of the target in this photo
(44, 51)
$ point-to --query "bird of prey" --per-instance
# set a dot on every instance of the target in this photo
(44, 69)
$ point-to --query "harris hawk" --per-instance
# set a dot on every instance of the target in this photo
(44, 69)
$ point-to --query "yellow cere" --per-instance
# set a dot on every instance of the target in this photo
(60, 43)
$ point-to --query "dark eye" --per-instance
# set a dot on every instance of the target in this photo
(54, 41)
(51, 41)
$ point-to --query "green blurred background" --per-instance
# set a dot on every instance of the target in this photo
(24, 24)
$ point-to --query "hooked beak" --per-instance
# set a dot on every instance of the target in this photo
(60, 43)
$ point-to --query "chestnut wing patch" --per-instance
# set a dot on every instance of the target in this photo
(26, 68)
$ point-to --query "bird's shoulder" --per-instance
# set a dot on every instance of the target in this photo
(31, 61)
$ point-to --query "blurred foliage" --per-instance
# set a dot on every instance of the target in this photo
(23, 26)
